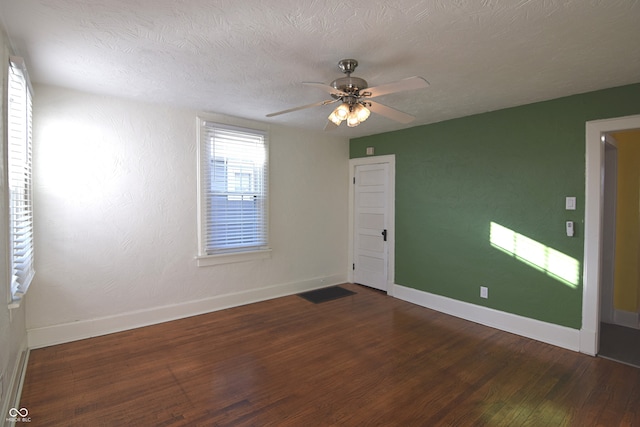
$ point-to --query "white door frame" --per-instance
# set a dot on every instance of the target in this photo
(590, 331)
(609, 208)
(391, 198)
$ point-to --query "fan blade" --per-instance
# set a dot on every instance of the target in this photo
(330, 126)
(390, 113)
(410, 83)
(326, 88)
(290, 110)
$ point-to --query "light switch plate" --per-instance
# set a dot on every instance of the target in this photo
(570, 203)
(371, 151)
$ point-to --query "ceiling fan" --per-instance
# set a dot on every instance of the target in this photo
(355, 97)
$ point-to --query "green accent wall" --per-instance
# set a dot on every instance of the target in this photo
(514, 168)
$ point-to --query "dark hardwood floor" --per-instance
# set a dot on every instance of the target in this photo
(620, 343)
(363, 360)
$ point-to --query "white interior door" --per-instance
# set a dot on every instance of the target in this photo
(371, 227)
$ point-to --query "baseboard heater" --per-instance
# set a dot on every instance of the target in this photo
(14, 392)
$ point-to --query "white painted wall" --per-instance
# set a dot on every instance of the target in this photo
(115, 217)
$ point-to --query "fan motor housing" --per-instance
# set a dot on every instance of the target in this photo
(349, 84)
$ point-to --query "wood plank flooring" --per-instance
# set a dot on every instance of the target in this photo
(363, 360)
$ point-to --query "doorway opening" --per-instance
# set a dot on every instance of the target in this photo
(594, 259)
(620, 251)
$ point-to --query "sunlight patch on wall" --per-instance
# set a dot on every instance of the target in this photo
(543, 258)
(81, 164)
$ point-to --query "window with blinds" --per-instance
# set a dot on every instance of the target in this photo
(233, 189)
(19, 128)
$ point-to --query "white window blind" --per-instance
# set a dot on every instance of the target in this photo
(19, 129)
(234, 189)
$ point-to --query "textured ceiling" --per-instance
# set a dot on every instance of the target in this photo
(247, 58)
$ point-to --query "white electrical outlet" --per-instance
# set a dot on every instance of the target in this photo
(484, 292)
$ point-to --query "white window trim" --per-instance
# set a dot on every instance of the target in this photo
(207, 260)
(17, 293)
(230, 258)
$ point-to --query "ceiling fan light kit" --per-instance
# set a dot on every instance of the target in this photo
(354, 114)
(355, 94)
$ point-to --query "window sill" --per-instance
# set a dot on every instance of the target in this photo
(15, 303)
(211, 260)
(16, 300)
(18, 292)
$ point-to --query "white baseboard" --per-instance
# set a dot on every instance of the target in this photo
(560, 336)
(626, 318)
(14, 391)
(67, 332)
